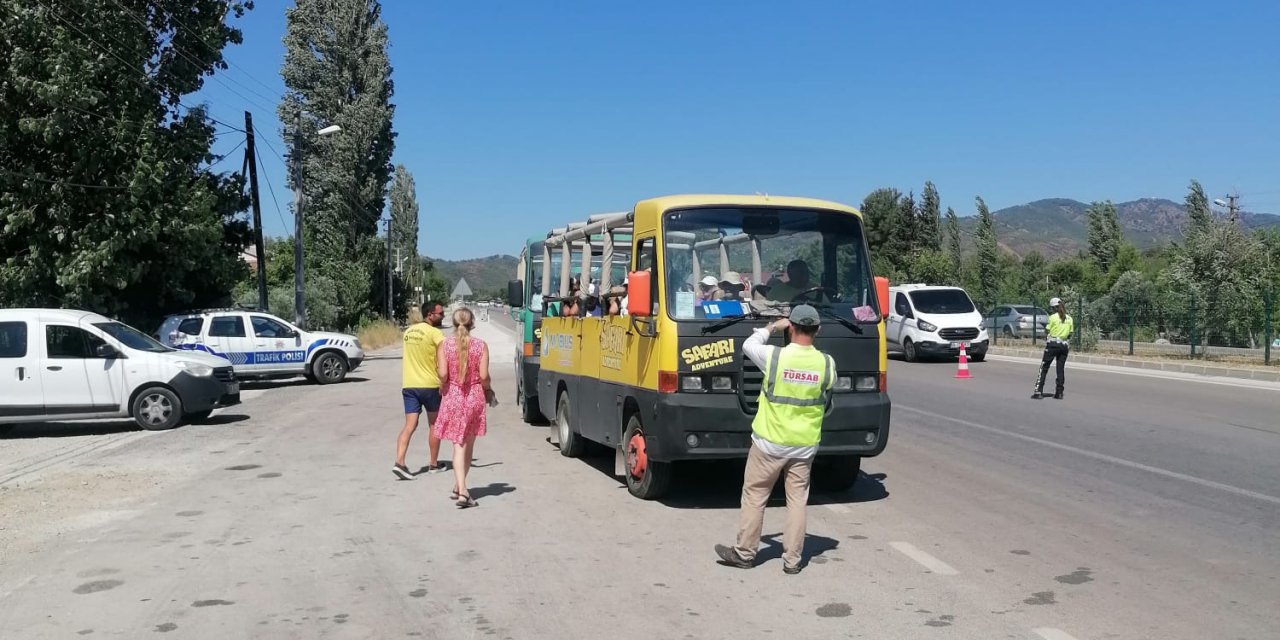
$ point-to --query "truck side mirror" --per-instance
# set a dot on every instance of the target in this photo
(882, 295)
(640, 294)
(107, 352)
(515, 294)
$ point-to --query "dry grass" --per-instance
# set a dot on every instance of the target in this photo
(379, 334)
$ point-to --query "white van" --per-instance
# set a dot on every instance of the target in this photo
(934, 321)
(59, 364)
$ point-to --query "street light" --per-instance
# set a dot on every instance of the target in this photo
(299, 295)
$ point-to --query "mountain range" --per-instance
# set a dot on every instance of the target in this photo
(1058, 227)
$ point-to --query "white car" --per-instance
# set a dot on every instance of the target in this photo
(61, 364)
(260, 345)
(934, 321)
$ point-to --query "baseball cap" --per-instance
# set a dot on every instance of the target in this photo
(710, 281)
(805, 316)
(1053, 302)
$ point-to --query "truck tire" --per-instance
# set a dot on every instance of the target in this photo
(329, 368)
(646, 479)
(836, 473)
(572, 445)
(909, 351)
(156, 409)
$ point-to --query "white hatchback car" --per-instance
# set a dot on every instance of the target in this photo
(61, 364)
(260, 345)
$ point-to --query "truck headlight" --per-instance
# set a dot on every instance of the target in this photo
(691, 383)
(866, 383)
(926, 326)
(844, 383)
(721, 383)
(197, 369)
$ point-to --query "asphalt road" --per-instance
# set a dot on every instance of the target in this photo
(1135, 508)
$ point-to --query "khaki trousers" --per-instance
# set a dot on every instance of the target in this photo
(757, 483)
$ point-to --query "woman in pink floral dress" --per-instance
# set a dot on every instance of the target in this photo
(463, 363)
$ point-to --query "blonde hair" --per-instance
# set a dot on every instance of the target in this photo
(463, 323)
(415, 316)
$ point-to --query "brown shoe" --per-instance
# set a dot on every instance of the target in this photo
(729, 557)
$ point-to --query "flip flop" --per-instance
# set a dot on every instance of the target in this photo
(466, 502)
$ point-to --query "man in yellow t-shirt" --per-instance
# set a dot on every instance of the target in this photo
(420, 384)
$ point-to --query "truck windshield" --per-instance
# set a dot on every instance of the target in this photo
(721, 261)
(131, 337)
(942, 301)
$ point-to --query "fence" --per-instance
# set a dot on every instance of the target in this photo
(1224, 330)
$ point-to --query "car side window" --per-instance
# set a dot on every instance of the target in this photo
(226, 327)
(191, 326)
(902, 306)
(264, 327)
(13, 339)
(63, 341)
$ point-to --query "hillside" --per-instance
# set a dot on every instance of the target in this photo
(486, 276)
(1059, 226)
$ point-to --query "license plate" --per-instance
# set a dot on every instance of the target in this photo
(955, 345)
(233, 388)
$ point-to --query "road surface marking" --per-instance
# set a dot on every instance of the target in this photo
(1049, 633)
(1242, 383)
(927, 561)
(1102, 456)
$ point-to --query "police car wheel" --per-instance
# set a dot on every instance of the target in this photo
(572, 445)
(646, 479)
(329, 368)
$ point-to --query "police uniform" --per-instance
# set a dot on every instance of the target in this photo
(1056, 348)
(785, 436)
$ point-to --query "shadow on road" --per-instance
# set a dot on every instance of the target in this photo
(814, 547)
(68, 429)
(491, 490)
(221, 419)
(280, 383)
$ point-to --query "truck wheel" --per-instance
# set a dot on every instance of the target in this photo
(329, 368)
(529, 410)
(836, 473)
(572, 445)
(157, 409)
(646, 479)
(909, 351)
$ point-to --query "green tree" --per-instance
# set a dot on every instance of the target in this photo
(988, 255)
(1199, 216)
(1221, 266)
(404, 225)
(336, 72)
(929, 225)
(907, 229)
(108, 201)
(1105, 236)
(953, 241)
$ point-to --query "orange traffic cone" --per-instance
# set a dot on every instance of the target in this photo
(963, 372)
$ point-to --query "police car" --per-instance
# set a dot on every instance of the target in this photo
(260, 345)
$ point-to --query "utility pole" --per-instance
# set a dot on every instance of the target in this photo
(251, 159)
(1233, 206)
(299, 296)
(390, 272)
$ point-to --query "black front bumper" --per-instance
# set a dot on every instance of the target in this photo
(944, 349)
(198, 394)
(723, 428)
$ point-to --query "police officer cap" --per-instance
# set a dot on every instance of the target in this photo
(1053, 302)
(805, 316)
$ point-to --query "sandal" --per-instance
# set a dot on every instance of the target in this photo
(466, 502)
(453, 495)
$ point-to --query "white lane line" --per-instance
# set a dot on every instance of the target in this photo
(927, 561)
(1242, 383)
(1102, 456)
(1049, 633)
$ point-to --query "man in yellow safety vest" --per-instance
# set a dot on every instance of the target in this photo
(785, 434)
(1056, 348)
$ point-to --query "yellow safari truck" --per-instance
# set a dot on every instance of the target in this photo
(661, 377)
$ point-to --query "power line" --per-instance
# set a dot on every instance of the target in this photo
(195, 59)
(271, 190)
(196, 35)
(226, 155)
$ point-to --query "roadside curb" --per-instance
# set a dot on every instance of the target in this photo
(1201, 369)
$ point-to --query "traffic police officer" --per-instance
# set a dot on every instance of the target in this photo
(786, 431)
(1056, 346)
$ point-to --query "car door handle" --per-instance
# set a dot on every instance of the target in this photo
(22, 374)
(54, 368)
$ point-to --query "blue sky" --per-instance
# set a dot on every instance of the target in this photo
(515, 117)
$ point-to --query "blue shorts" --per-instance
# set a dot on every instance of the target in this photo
(419, 400)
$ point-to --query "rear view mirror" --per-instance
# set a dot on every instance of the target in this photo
(515, 294)
(882, 295)
(761, 224)
(639, 294)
